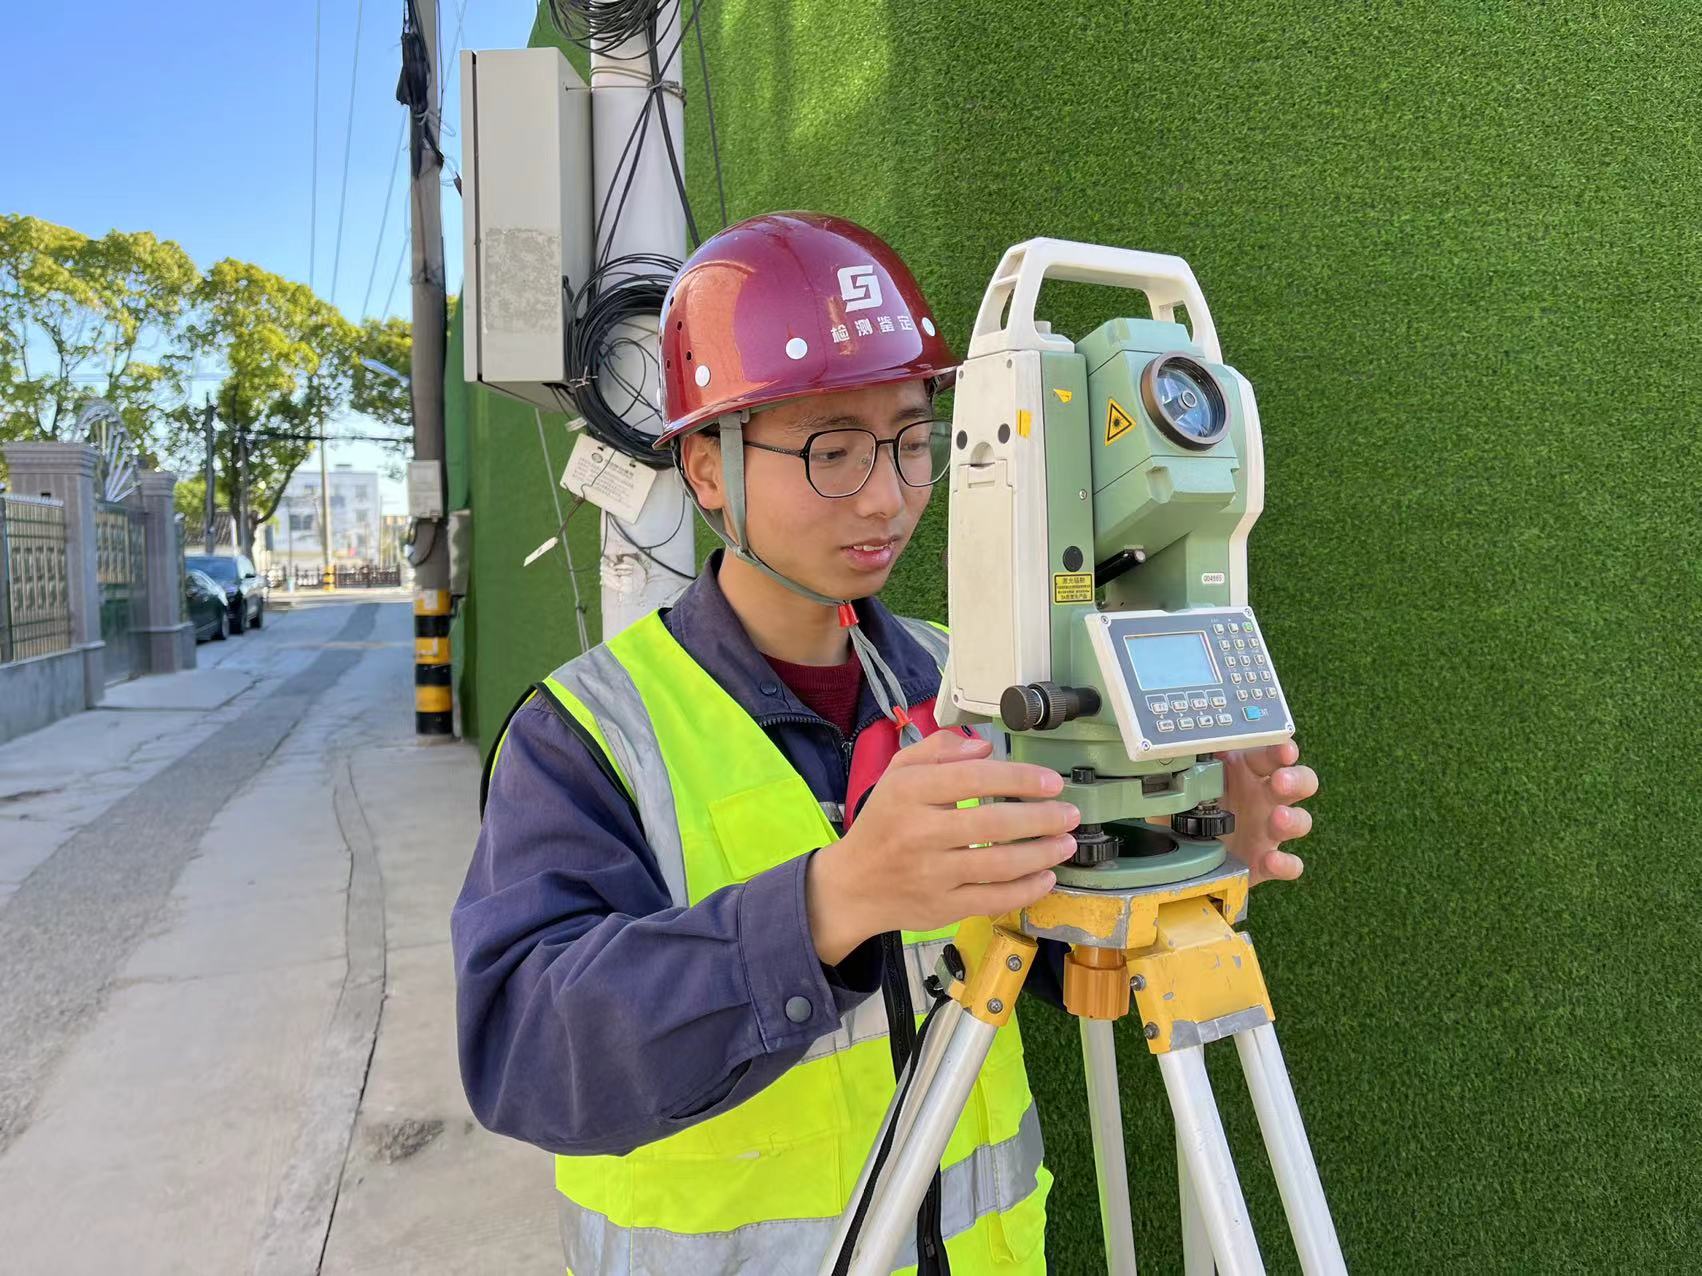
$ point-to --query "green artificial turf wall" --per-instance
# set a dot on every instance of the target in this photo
(1455, 248)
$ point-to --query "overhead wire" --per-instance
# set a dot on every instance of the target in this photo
(313, 205)
(348, 146)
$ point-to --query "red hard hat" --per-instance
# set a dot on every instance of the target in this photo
(790, 304)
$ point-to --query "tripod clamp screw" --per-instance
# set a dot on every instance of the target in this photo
(1151, 1031)
(1013, 962)
(1138, 983)
(995, 1006)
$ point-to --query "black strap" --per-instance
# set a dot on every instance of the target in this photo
(842, 1262)
(905, 1044)
(575, 728)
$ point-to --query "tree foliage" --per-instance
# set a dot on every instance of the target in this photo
(290, 358)
(85, 318)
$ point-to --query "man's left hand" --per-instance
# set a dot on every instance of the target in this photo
(1261, 787)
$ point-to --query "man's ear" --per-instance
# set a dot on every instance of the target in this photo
(700, 462)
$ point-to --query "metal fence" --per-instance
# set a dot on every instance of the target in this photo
(35, 592)
(342, 577)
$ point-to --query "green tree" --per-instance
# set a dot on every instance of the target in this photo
(289, 359)
(381, 396)
(88, 318)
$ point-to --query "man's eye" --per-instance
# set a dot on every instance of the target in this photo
(828, 456)
(917, 447)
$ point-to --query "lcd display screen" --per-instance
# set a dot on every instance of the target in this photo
(1164, 661)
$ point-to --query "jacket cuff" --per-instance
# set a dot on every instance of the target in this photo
(790, 994)
(857, 977)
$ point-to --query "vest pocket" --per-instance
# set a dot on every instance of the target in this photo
(754, 840)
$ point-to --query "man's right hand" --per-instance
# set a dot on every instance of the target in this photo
(913, 861)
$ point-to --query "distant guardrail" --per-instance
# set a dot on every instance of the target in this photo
(342, 577)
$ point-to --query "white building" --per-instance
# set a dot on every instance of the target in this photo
(356, 519)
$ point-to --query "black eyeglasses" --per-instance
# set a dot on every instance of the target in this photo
(839, 462)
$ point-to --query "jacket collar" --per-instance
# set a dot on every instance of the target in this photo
(703, 622)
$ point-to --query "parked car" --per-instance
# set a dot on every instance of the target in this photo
(243, 586)
(205, 602)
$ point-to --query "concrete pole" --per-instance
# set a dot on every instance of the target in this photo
(434, 712)
(169, 637)
(326, 576)
(210, 547)
(652, 222)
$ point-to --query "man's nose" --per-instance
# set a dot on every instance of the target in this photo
(883, 495)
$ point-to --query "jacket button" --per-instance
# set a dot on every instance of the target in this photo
(769, 688)
(798, 1009)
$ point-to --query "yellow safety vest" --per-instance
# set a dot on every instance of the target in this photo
(760, 1188)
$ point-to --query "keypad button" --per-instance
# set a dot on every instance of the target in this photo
(1223, 643)
(1234, 626)
(1240, 695)
(1258, 660)
(1165, 724)
(1187, 724)
(1252, 642)
(1158, 704)
(1223, 719)
(1236, 677)
(1197, 702)
(1240, 643)
(1218, 701)
(1253, 713)
(1217, 629)
(1179, 702)
(1258, 693)
(1266, 675)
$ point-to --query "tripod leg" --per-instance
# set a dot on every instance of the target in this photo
(912, 1094)
(913, 1161)
(1105, 1118)
(1291, 1155)
(1199, 1132)
(1196, 1240)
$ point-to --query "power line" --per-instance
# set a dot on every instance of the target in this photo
(348, 144)
(389, 194)
(407, 235)
(313, 214)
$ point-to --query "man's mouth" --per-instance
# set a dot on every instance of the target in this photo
(874, 554)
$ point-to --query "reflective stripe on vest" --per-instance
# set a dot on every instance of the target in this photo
(994, 1179)
(775, 1172)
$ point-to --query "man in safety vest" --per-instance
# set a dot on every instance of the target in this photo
(722, 850)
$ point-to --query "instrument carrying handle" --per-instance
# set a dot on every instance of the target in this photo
(1167, 281)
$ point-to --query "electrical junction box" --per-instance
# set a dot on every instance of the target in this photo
(526, 195)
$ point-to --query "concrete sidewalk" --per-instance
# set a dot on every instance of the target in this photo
(239, 1055)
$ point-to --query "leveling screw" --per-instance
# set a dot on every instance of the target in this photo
(1014, 962)
(995, 1006)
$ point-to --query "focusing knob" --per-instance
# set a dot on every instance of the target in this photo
(1043, 706)
(1206, 821)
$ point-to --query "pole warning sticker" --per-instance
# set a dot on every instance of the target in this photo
(1117, 422)
(1072, 587)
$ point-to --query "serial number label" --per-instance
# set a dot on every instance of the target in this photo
(1072, 587)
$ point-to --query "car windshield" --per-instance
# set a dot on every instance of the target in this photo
(218, 567)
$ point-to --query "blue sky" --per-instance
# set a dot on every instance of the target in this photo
(194, 120)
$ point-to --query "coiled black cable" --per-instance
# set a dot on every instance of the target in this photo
(625, 290)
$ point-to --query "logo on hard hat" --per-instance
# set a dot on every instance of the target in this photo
(860, 287)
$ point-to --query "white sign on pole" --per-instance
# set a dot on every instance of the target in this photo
(425, 489)
(605, 477)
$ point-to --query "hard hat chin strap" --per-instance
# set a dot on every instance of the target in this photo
(729, 525)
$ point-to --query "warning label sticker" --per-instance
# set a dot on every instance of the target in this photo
(1117, 422)
(1072, 587)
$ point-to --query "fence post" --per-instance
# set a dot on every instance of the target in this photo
(170, 637)
(66, 472)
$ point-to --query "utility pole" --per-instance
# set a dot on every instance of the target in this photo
(327, 577)
(637, 581)
(212, 509)
(433, 698)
